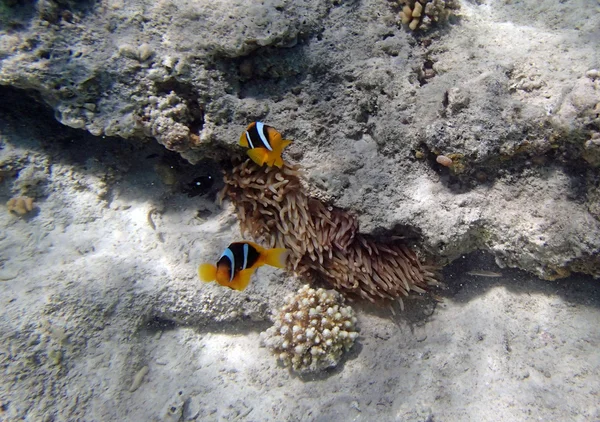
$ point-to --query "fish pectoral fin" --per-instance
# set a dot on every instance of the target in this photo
(278, 162)
(276, 257)
(242, 279)
(258, 155)
(207, 272)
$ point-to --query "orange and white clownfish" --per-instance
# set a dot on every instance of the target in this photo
(265, 143)
(239, 261)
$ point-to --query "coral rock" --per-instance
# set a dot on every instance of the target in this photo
(20, 205)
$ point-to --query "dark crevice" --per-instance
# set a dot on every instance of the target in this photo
(55, 11)
(27, 103)
(425, 72)
(16, 14)
(159, 324)
(461, 277)
(402, 232)
(77, 147)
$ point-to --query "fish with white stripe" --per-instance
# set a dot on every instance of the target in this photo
(238, 262)
(265, 144)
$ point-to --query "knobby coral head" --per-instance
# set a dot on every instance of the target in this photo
(312, 330)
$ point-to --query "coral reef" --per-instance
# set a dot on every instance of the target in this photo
(421, 14)
(20, 205)
(323, 241)
(312, 331)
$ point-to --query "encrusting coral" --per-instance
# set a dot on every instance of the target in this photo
(323, 241)
(420, 14)
(312, 330)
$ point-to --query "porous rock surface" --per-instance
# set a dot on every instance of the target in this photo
(506, 90)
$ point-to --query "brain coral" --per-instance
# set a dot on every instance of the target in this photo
(312, 331)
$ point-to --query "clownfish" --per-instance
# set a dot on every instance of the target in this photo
(239, 261)
(265, 143)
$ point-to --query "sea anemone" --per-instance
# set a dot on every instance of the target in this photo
(324, 241)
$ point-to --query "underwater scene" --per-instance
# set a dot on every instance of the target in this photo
(299, 210)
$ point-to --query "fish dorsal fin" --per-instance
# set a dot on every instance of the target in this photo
(274, 136)
(256, 246)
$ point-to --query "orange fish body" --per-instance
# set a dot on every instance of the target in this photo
(238, 262)
(265, 143)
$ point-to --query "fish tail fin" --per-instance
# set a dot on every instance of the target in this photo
(242, 279)
(258, 155)
(207, 272)
(275, 257)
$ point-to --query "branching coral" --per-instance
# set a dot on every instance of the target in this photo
(323, 241)
(420, 14)
(312, 330)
